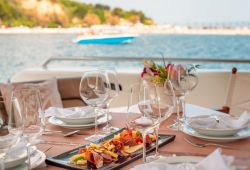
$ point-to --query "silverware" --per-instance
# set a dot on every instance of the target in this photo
(46, 150)
(65, 134)
(60, 143)
(202, 145)
(71, 133)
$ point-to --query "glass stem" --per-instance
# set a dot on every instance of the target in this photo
(107, 110)
(183, 102)
(28, 155)
(96, 120)
(2, 157)
(156, 130)
(178, 112)
(144, 147)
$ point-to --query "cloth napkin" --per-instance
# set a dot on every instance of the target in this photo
(214, 161)
(222, 121)
(17, 150)
(70, 113)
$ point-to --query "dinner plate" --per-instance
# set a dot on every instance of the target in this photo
(218, 132)
(188, 162)
(55, 121)
(89, 118)
(242, 134)
(37, 159)
(179, 159)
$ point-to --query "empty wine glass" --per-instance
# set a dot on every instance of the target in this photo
(113, 91)
(143, 110)
(11, 130)
(93, 90)
(183, 81)
(166, 100)
(33, 116)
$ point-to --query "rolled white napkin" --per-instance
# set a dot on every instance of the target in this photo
(222, 121)
(70, 113)
(208, 163)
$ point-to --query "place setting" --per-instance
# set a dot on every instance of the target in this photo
(219, 127)
(19, 133)
(223, 162)
(17, 156)
(76, 117)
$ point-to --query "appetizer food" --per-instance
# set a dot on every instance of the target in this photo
(114, 150)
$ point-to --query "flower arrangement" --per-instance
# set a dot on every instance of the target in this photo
(158, 74)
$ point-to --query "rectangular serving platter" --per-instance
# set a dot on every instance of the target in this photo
(62, 160)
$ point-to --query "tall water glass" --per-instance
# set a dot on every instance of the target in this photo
(113, 90)
(11, 129)
(33, 116)
(183, 81)
(94, 92)
(166, 100)
(143, 110)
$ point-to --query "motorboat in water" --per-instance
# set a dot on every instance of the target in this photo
(105, 39)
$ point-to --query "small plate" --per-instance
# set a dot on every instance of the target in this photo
(55, 121)
(218, 132)
(15, 159)
(37, 158)
(242, 134)
(80, 120)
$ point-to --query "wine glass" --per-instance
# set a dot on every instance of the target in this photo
(166, 100)
(143, 110)
(33, 116)
(183, 80)
(94, 91)
(113, 91)
(11, 130)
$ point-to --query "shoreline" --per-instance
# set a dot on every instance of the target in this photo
(141, 29)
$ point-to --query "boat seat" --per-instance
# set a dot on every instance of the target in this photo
(238, 97)
(68, 89)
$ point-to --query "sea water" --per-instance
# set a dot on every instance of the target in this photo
(20, 51)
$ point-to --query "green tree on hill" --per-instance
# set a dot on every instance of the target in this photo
(65, 13)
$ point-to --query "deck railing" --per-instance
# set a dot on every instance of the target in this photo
(140, 59)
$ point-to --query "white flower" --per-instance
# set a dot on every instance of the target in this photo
(148, 63)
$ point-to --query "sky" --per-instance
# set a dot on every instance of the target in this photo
(186, 11)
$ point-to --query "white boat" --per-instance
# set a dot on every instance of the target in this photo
(105, 39)
(214, 89)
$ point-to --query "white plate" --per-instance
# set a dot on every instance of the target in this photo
(218, 132)
(15, 159)
(37, 158)
(53, 120)
(179, 159)
(81, 120)
(242, 134)
(185, 160)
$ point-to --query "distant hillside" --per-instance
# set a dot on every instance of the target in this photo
(64, 13)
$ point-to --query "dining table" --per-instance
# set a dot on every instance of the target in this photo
(56, 144)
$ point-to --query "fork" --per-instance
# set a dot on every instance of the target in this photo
(202, 145)
(65, 134)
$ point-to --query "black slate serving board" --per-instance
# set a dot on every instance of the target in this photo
(62, 160)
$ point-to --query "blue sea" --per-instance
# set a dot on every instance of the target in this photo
(20, 51)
